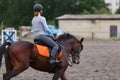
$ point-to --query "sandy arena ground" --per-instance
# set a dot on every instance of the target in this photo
(100, 60)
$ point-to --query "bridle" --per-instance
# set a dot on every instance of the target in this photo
(74, 53)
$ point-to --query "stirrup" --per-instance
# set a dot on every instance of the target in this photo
(54, 61)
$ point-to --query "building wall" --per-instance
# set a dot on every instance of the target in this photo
(94, 29)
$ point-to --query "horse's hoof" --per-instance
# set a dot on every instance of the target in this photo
(5, 77)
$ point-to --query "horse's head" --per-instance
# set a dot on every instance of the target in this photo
(73, 46)
(76, 49)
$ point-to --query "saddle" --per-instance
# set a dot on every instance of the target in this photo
(45, 51)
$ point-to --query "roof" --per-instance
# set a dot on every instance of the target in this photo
(89, 17)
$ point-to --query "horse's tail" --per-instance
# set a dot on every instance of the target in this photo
(3, 49)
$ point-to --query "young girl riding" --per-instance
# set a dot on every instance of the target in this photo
(42, 33)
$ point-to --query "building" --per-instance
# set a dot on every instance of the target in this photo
(113, 5)
(24, 30)
(91, 26)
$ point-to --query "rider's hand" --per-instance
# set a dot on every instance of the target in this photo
(52, 37)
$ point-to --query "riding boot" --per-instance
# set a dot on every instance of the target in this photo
(53, 59)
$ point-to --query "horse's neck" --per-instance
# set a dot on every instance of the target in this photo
(66, 44)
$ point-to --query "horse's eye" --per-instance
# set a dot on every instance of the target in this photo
(79, 47)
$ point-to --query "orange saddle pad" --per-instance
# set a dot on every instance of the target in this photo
(44, 51)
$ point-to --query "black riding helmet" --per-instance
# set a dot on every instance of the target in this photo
(37, 7)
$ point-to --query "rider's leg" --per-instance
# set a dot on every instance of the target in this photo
(50, 43)
(53, 58)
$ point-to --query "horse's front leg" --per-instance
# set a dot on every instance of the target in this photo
(57, 74)
(63, 77)
(60, 73)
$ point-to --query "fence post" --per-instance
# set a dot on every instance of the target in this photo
(92, 35)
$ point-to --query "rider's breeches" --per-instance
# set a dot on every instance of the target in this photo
(44, 40)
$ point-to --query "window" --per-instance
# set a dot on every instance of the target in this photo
(113, 31)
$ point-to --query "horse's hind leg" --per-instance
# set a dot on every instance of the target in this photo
(8, 63)
(14, 72)
(20, 63)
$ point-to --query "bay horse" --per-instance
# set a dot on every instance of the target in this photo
(21, 55)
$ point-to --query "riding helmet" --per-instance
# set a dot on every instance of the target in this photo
(37, 7)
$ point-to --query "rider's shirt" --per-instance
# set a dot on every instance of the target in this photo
(39, 26)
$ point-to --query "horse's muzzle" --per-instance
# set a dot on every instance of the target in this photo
(76, 60)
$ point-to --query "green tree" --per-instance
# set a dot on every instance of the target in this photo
(54, 8)
(20, 12)
(118, 11)
(94, 6)
(3, 11)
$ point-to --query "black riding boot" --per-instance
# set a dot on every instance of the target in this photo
(53, 59)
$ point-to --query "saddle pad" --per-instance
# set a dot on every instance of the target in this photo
(44, 51)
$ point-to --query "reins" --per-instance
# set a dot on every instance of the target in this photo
(69, 57)
(70, 63)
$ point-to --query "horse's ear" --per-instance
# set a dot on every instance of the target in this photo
(81, 39)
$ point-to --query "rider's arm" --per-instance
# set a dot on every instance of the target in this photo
(45, 26)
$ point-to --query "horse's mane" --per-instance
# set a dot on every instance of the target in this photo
(66, 36)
